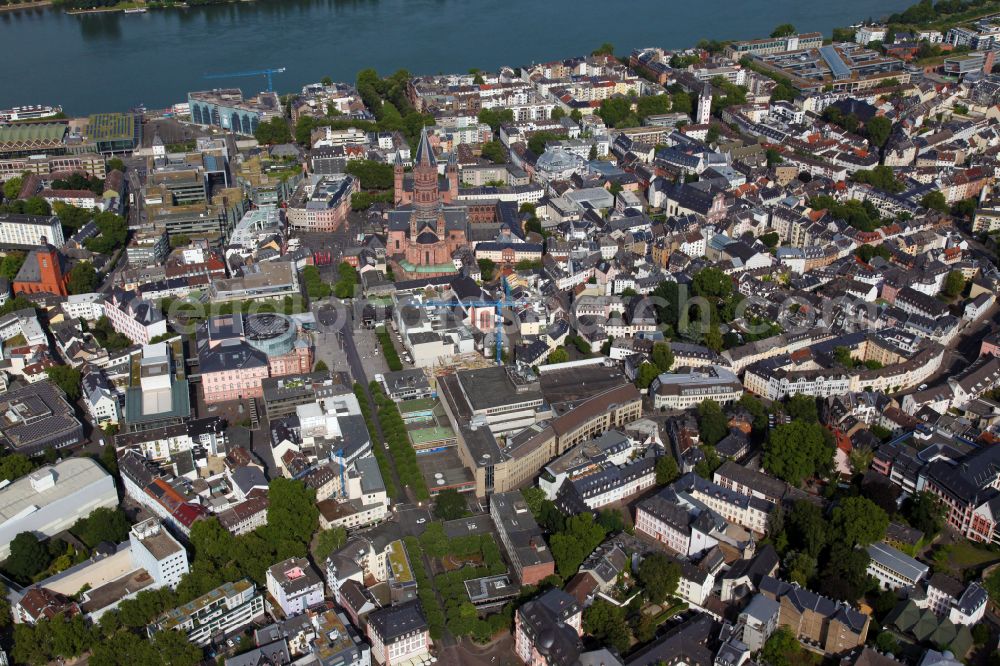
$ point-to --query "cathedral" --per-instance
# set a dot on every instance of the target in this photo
(426, 228)
(430, 224)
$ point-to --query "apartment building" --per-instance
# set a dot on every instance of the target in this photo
(293, 586)
(831, 626)
(398, 633)
(521, 537)
(30, 231)
(808, 40)
(220, 612)
(137, 319)
(549, 625)
(322, 202)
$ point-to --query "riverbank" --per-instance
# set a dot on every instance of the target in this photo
(25, 5)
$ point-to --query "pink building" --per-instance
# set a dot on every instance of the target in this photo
(237, 352)
(138, 320)
(990, 345)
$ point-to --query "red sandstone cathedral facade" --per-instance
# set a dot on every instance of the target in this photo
(424, 229)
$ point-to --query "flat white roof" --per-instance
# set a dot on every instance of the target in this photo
(72, 475)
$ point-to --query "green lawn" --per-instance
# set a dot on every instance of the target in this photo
(965, 554)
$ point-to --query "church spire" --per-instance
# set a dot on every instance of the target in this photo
(425, 154)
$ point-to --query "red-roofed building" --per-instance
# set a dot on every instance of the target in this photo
(43, 272)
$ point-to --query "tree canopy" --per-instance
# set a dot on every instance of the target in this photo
(797, 450)
(659, 575)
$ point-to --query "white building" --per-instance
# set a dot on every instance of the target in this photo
(84, 306)
(294, 585)
(52, 498)
(689, 387)
(894, 569)
(398, 633)
(100, 398)
(865, 34)
(948, 597)
(156, 551)
(224, 610)
(27, 231)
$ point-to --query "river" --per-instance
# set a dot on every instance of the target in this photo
(113, 61)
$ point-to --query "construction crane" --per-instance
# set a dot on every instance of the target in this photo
(256, 72)
(498, 304)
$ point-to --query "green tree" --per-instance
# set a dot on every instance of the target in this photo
(102, 524)
(273, 131)
(37, 206)
(328, 541)
(886, 643)
(592, 155)
(292, 514)
(712, 423)
(11, 264)
(607, 48)
(935, 201)
(647, 373)
(347, 281)
(66, 378)
(321, 367)
(842, 355)
(557, 355)
(659, 575)
(771, 239)
(881, 177)
(12, 187)
(712, 283)
(796, 451)
(954, 283)
(663, 356)
(28, 556)
(450, 504)
(487, 267)
(783, 30)
(666, 470)
(14, 466)
(496, 117)
(782, 649)
(878, 130)
(992, 585)
(173, 649)
(83, 278)
(314, 284)
(494, 152)
(859, 522)
(802, 408)
(372, 175)
(606, 623)
(611, 520)
(925, 512)
(845, 575)
(115, 164)
(758, 412)
(581, 535)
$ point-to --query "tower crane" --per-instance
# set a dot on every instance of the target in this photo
(269, 73)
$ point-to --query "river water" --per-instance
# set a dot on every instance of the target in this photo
(113, 61)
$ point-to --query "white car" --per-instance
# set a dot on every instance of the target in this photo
(421, 521)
